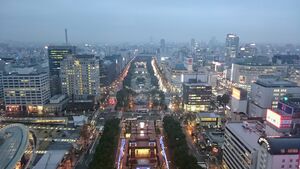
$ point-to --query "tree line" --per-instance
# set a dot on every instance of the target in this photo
(104, 156)
(177, 145)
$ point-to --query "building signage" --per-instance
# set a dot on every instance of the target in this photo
(279, 121)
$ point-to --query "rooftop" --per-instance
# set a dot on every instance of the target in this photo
(51, 159)
(14, 140)
(211, 115)
(272, 82)
(180, 67)
(196, 84)
(248, 135)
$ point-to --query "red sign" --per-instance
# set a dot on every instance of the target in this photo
(112, 101)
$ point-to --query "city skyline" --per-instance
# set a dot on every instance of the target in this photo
(134, 21)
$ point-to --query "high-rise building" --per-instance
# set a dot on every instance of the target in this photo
(26, 90)
(248, 51)
(231, 46)
(196, 97)
(80, 76)
(266, 92)
(56, 54)
(193, 45)
(162, 46)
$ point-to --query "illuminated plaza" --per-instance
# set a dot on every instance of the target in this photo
(141, 146)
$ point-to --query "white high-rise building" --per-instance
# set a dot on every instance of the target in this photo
(80, 76)
(266, 92)
(26, 89)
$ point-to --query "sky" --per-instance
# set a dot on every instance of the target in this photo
(110, 21)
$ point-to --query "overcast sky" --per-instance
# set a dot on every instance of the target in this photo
(137, 20)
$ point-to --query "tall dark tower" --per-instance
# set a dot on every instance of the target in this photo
(66, 36)
(56, 54)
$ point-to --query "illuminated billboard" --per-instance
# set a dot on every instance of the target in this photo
(278, 120)
(285, 108)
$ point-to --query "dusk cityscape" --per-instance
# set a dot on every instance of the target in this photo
(149, 84)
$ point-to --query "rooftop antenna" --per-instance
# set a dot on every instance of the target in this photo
(66, 36)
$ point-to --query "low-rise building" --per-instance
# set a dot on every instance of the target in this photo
(141, 146)
(57, 104)
(208, 119)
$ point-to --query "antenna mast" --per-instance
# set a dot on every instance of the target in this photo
(66, 36)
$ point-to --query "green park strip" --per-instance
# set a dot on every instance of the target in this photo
(177, 145)
(105, 152)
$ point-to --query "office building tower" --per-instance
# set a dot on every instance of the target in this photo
(266, 92)
(231, 46)
(26, 89)
(196, 97)
(56, 54)
(80, 77)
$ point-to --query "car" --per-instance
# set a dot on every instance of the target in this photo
(202, 164)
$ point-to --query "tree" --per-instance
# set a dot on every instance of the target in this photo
(225, 99)
(106, 150)
(178, 145)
